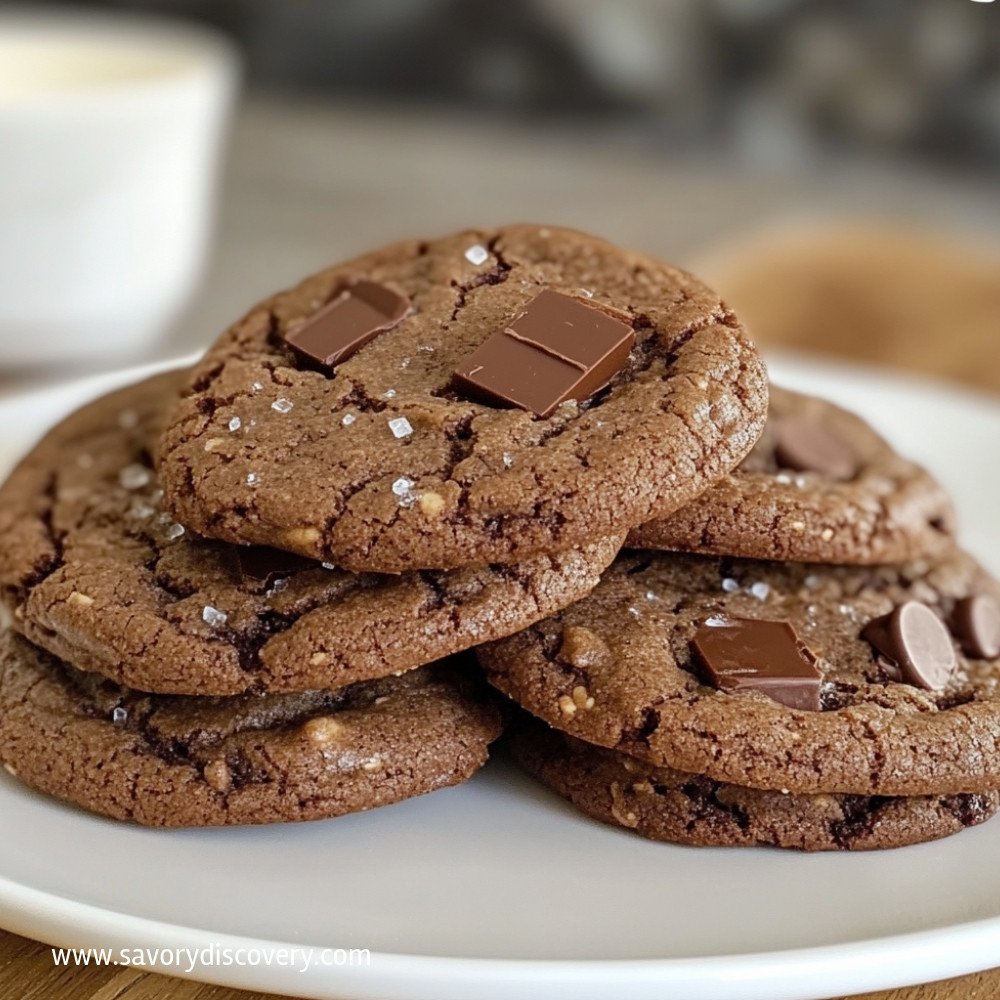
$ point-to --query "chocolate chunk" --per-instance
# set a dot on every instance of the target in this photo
(558, 348)
(975, 622)
(262, 567)
(915, 642)
(357, 313)
(805, 445)
(740, 654)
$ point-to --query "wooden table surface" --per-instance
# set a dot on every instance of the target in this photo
(276, 226)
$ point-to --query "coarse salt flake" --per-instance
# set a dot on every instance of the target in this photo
(400, 427)
(213, 616)
(477, 254)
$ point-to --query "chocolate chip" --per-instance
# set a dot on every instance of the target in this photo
(741, 654)
(915, 642)
(358, 312)
(975, 622)
(805, 445)
(558, 348)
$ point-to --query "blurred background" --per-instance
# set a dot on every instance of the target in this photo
(832, 166)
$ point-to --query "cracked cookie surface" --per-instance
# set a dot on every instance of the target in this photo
(617, 670)
(314, 464)
(890, 510)
(97, 574)
(663, 804)
(174, 761)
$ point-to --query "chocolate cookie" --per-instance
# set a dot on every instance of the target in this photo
(481, 398)
(777, 676)
(98, 575)
(175, 761)
(662, 804)
(819, 486)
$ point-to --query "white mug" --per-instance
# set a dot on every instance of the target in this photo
(111, 129)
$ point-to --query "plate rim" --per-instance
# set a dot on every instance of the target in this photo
(792, 974)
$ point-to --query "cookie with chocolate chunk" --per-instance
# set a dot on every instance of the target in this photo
(820, 486)
(174, 761)
(483, 398)
(663, 804)
(96, 573)
(814, 679)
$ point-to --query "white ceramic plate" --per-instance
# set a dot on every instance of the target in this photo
(498, 890)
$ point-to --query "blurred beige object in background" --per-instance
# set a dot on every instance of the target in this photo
(111, 130)
(887, 293)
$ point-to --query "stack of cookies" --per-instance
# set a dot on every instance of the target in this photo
(248, 593)
(817, 671)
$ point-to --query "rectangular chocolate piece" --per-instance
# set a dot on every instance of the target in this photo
(740, 654)
(357, 314)
(514, 372)
(558, 348)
